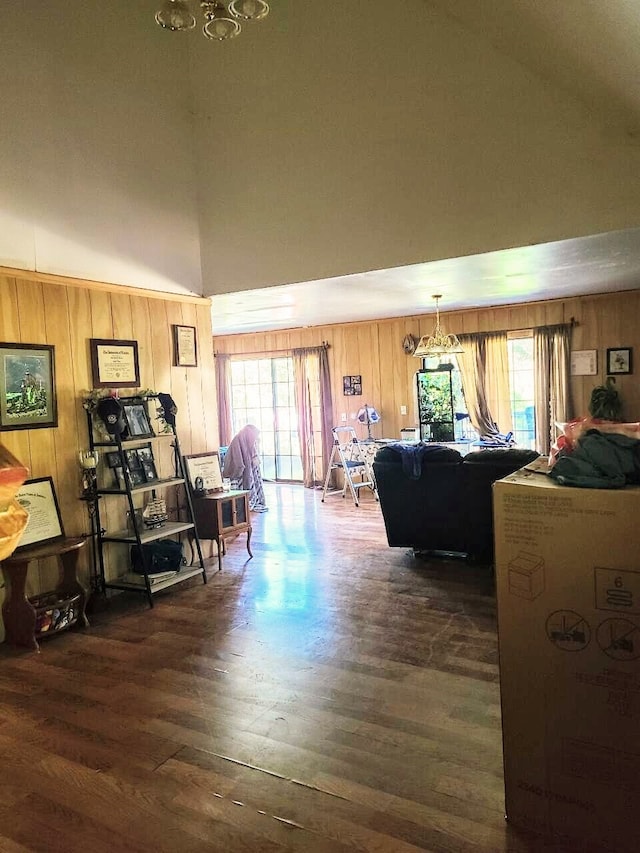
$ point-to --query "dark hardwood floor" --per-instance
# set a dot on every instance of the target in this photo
(332, 694)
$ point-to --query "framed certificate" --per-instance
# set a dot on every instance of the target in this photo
(185, 353)
(114, 363)
(38, 498)
(584, 362)
(205, 468)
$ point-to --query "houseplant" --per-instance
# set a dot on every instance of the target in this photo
(605, 403)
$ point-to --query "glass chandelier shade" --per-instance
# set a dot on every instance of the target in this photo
(175, 15)
(221, 19)
(249, 10)
(219, 26)
(437, 344)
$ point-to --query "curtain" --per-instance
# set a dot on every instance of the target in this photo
(552, 369)
(485, 381)
(223, 390)
(315, 411)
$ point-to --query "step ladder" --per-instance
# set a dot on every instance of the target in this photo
(347, 456)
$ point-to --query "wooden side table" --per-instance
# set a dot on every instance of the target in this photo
(20, 616)
(221, 514)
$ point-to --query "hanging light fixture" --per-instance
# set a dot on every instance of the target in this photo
(175, 15)
(219, 26)
(437, 344)
(221, 18)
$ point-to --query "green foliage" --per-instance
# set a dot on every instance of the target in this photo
(605, 402)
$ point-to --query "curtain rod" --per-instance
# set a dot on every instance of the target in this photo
(572, 322)
(288, 351)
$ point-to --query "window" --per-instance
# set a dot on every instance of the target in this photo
(521, 388)
(442, 410)
(263, 394)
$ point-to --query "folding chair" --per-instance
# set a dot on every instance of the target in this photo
(347, 456)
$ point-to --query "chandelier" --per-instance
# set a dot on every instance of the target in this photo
(221, 18)
(438, 343)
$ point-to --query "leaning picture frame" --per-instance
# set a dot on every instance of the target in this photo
(204, 467)
(27, 386)
(114, 363)
(38, 498)
(185, 348)
(137, 420)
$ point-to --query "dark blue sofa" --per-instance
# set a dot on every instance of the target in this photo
(449, 506)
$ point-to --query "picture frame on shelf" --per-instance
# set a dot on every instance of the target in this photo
(38, 497)
(27, 386)
(133, 460)
(137, 476)
(149, 469)
(185, 346)
(142, 466)
(113, 460)
(137, 420)
(145, 456)
(619, 361)
(114, 363)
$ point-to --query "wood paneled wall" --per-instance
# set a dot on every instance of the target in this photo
(374, 350)
(46, 309)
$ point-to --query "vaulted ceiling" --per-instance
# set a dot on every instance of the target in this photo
(558, 85)
(335, 162)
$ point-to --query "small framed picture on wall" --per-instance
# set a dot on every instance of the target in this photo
(185, 348)
(619, 361)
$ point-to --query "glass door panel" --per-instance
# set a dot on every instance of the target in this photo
(263, 393)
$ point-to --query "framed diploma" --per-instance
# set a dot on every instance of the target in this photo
(584, 362)
(205, 468)
(185, 353)
(114, 363)
(38, 498)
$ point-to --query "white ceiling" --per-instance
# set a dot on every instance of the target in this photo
(584, 48)
(597, 264)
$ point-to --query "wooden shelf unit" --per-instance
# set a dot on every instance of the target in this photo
(140, 535)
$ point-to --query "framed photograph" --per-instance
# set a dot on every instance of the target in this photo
(137, 420)
(185, 352)
(113, 459)
(114, 364)
(133, 460)
(352, 386)
(137, 476)
(149, 469)
(147, 463)
(38, 497)
(205, 467)
(619, 361)
(27, 386)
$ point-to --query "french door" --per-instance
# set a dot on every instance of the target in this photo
(263, 394)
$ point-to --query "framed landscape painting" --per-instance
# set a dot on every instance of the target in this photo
(27, 386)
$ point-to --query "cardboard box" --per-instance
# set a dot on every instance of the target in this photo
(568, 591)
